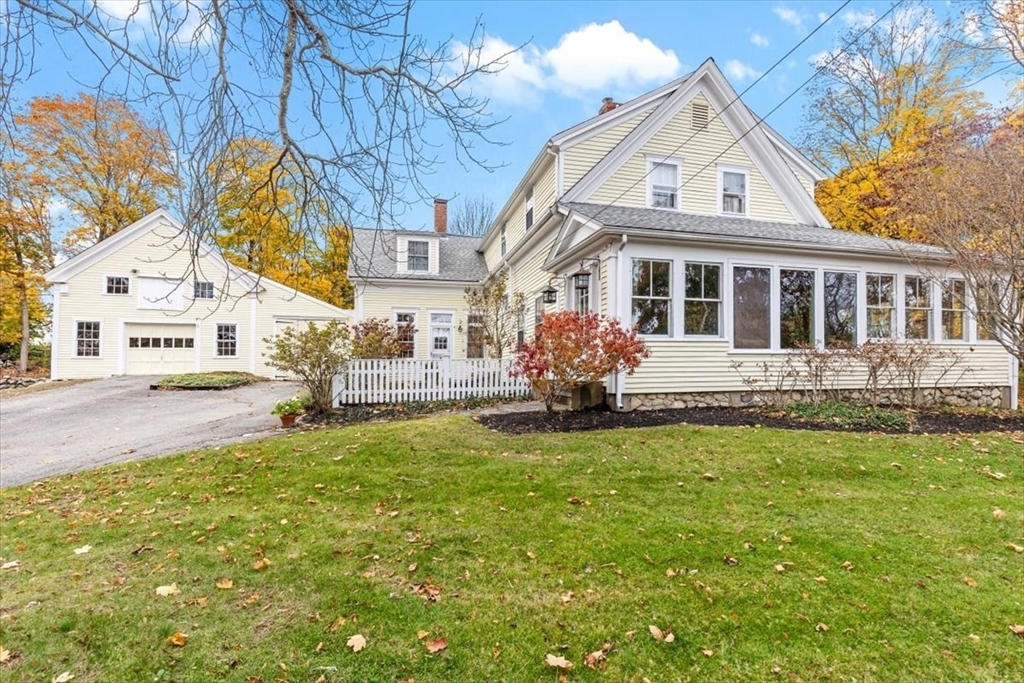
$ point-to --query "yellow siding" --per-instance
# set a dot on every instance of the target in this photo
(579, 159)
(543, 199)
(628, 185)
(684, 366)
(161, 253)
(805, 180)
(529, 278)
(383, 301)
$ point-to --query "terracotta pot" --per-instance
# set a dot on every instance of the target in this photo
(288, 420)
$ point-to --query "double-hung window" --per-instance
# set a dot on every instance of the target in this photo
(503, 243)
(840, 309)
(918, 304)
(475, 335)
(581, 299)
(702, 300)
(881, 304)
(227, 339)
(954, 310)
(664, 185)
(986, 299)
(529, 208)
(418, 256)
(117, 284)
(406, 326)
(87, 339)
(796, 308)
(652, 296)
(734, 192)
(751, 307)
(202, 290)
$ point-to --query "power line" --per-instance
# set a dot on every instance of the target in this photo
(760, 119)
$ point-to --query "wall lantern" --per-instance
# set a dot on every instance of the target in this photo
(550, 295)
(581, 278)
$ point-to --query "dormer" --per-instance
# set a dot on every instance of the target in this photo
(417, 253)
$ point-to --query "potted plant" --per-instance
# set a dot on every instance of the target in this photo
(289, 410)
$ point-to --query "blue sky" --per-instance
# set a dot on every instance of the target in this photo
(578, 52)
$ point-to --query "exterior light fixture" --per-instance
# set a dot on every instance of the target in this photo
(581, 278)
(550, 295)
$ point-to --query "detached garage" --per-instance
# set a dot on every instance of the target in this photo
(145, 302)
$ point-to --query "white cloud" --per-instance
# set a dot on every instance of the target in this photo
(604, 58)
(822, 17)
(790, 16)
(739, 71)
(859, 19)
(759, 40)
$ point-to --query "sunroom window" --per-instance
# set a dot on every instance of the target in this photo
(918, 304)
(840, 309)
(751, 307)
(954, 310)
(796, 308)
(652, 296)
(881, 303)
(702, 303)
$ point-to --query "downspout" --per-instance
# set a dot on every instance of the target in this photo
(620, 377)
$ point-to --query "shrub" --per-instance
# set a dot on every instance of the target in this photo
(292, 406)
(571, 350)
(379, 338)
(314, 355)
(847, 415)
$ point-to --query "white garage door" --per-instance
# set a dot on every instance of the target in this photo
(160, 349)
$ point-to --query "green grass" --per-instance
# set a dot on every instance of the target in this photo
(208, 380)
(924, 522)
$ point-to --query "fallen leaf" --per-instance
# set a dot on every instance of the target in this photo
(178, 639)
(708, 653)
(1017, 629)
(707, 476)
(5, 655)
(532, 555)
(779, 568)
(1015, 548)
(566, 597)
(82, 551)
(821, 579)
(974, 639)
(420, 635)
(436, 645)
(13, 564)
(356, 642)
(575, 501)
(970, 582)
(848, 566)
(319, 647)
(164, 591)
(998, 514)
(729, 559)
(411, 568)
(821, 628)
(336, 624)
(225, 584)
(596, 658)
(62, 678)
(261, 564)
(670, 573)
(558, 662)
(670, 637)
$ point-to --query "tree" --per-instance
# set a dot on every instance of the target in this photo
(348, 92)
(876, 104)
(572, 349)
(967, 196)
(26, 252)
(471, 216)
(314, 355)
(380, 338)
(260, 203)
(496, 311)
(100, 157)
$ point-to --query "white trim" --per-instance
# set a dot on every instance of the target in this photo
(122, 342)
(440, 326)
(253, 307)
(745, 172)
(122, 338)
(596, 125)
(721, 301)
(74, 338)
(56, 292)
(216, 325)
(650, 160)
(894, 327)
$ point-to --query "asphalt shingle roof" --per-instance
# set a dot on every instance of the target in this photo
(787, 234)
(373, 256)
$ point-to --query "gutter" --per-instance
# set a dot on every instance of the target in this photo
(620, 377)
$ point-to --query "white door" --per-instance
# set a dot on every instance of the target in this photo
(160, 349)
(441, 335)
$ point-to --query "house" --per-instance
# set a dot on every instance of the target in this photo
(420, 278)
(154, 300)
(685, 216)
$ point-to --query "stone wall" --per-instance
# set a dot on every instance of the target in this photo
(983, 397)
(17, 382)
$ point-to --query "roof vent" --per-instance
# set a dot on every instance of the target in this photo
(699, 116)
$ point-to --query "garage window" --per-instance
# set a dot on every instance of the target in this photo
(227, 340)
(87, 339)
(203, 290)
(117, 285)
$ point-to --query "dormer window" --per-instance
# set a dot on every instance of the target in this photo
(733, 184)
(529, 208)
(663, 183)
(418, 256)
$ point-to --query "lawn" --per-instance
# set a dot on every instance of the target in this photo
(761, 555)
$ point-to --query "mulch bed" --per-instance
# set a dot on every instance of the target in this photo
(922, 422)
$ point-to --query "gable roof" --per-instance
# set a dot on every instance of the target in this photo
(742, 230)
(752, 138)
(373, 256)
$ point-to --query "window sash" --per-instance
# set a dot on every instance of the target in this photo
(840, 289)
(118, 284)
(752, 307)
(881, 305)
(702, 299)
(417, 255)
(227, 339)
(664, 185)
(87, 339)
(202, 290)
(917, 297)
(796, 307)
(652, 296)
(503, 242)
(734, 192)
(954, 310)
(406, 324)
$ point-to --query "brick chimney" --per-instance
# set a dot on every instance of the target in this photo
(441, 216)
(607, 104)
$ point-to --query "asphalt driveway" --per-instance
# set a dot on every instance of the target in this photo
(82, 426)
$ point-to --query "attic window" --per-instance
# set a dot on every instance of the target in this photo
(699, 116)
(419, 256)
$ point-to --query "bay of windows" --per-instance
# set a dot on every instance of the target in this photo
(652, 296)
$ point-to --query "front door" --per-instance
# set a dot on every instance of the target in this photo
(441, 335)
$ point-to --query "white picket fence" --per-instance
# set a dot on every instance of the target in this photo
(401, 380)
